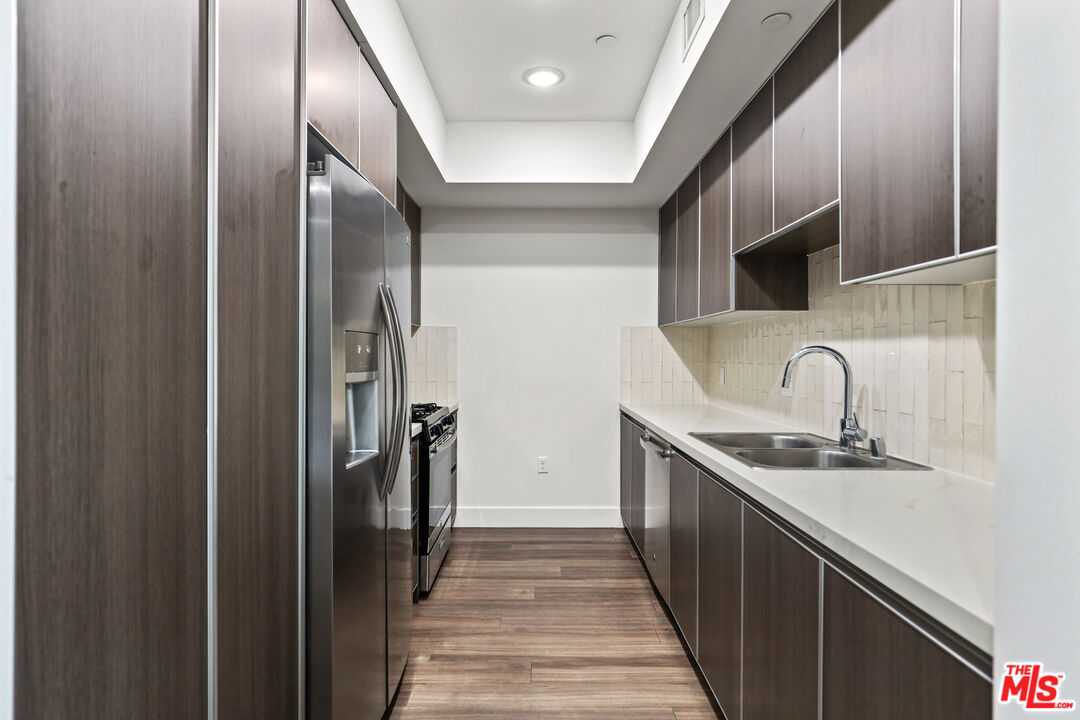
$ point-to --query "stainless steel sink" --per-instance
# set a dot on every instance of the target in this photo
(806, 458)
(797, 451)
(726, 441)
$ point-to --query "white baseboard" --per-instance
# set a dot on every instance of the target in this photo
(539, 517)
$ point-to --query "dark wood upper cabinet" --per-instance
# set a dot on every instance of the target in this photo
(686, 272)
(752, 170)
(875, 665)
(413, 216)
(378, 133)
(720, 592)
(807, 124)
(780, 624)
(666, 284)
(978, 124)
(896, 109)
(333, 79)
(715, 270)
(637, 488)
(110, 520)
(626, 442)
(684, 548)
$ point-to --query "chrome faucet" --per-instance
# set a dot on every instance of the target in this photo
(850, 432)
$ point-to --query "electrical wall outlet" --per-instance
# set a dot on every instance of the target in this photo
(541, 465)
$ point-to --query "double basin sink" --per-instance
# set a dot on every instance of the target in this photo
(797, 451)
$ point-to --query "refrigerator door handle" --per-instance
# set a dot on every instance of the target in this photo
(394, 441)
(401, 375)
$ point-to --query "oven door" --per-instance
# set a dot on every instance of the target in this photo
(442, 465)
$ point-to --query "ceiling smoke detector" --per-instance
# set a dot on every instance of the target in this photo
(607, 40)
(543, 77)
(775, 21)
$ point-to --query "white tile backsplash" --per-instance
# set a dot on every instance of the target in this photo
(434, 371)
(922, 358)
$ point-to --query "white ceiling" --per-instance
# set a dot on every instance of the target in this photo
(737, 58)
(476, 51)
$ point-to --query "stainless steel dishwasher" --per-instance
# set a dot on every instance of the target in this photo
(658, 512)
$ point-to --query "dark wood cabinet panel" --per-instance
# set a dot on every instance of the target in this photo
(637, 488)
(110, 522)
(715, 273)
(333, 79)
(978, 124)
(720, 593)
(771, 281)
(686, 233)
(684, 549)
(258, 332)
(780, 624)
(752, 170)
(807, 124)
(626, 441)
(377, 133)
(413, 216)
(876, 665)
(666, 283)
(896, 109)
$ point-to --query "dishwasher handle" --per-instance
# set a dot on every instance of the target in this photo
(649, 443)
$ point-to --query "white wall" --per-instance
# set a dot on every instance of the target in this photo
(7, 355)
(539, 297)
(540, 152)
(1038, 495)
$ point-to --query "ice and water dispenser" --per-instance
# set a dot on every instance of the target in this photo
(361, 396)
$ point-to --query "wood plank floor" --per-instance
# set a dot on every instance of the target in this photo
(546, 624)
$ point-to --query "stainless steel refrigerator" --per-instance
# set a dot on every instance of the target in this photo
(359, 544)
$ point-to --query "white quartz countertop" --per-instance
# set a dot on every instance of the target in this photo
(927, 535)
(416, 428)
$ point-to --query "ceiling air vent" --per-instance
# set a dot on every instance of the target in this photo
(691, 22)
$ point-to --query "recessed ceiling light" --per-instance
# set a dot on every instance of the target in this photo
(775, 21)
(607, 40)
(543, 77)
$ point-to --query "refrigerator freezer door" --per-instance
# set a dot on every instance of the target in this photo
(346, 519)
(399, 546)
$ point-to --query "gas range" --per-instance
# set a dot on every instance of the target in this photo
(421, 411)
(437, 420)
(437, 487)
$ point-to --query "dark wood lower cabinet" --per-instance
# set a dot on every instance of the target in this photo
(684, 549)
(632, 480)
(637, 487)
(876, 665)
(626, 439)
(776, 631)
(780, 624)
(720, 593)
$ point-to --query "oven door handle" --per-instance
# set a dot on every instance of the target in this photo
(445, 445)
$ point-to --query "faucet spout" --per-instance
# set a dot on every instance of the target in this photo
(850, 432)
